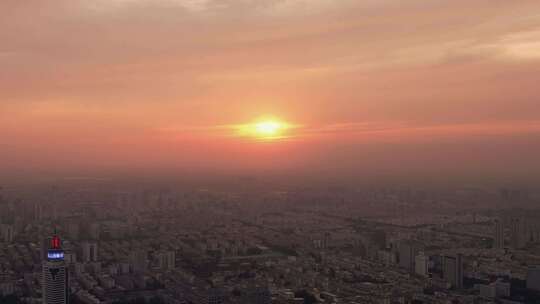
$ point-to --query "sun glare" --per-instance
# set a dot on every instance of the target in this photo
(268, 127)
(265, 129)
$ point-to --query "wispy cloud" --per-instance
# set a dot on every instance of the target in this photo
(115, 75)
(372, 131)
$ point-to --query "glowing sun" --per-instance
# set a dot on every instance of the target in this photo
(268, 128)
(265, 129)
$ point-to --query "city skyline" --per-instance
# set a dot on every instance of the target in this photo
(269, 152)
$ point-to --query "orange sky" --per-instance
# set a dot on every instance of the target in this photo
(434, 87)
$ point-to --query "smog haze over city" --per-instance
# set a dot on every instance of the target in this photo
(269, 151)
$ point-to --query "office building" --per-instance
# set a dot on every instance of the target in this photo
(518, 233)
(138, 261)
(453, 270)
(73, 229)
(496, 289)
(38, 212)
(89, 252)
(498, 235)
(208, 296)
(55, 275)
(421, 264)
(94, 231)
(407, 253)
(533, 278)
(257, 295)
(166, 260)
(7, 233)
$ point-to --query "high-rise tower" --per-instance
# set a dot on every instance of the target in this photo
(90, 252)
(453, 270)
(498, 234)
(55, 275)
(518, 232)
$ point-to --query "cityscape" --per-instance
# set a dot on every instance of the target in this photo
(269, 152)
(91, 242)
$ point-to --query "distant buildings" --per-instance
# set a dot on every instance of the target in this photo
(453, 270)
(206, 296)
(138, 261)
(72, 228)
(513, 195)
(258, 295)
(387, 257)
(533, 278)
(44, 247)
(38, 212)
(421, 264)
(290, 256)
(55, 275)
(498, 235)
(378, 239)
(6, 287)
(496, 289)
(407, 253)
(7, 233)
(518, 229)
(94, 231)
(90, 252)
(166, 260)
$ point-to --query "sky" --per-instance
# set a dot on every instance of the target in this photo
(433, 88)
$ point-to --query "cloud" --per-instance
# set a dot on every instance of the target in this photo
(139, 71)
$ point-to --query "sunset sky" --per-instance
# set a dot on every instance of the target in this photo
(441, 87)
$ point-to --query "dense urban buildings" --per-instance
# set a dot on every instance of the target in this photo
(194, 244)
